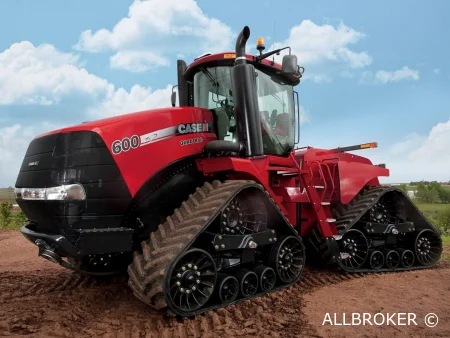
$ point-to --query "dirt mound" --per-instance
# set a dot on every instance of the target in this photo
(40, 299)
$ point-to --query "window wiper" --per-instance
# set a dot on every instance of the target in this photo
(210, 76)
(278, 99)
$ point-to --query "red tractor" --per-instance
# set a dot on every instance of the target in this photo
(209, 203)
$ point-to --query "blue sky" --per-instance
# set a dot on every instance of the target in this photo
(375, 71)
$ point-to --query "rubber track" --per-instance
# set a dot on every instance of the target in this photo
(148, 270)
(347, 216)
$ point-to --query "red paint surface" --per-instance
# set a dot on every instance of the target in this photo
(137, 165)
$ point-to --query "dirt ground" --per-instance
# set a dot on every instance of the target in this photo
(41, 299)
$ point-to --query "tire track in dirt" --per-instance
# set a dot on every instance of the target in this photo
(52, 302)
(21, 285)
(61, 305)
(264, 316)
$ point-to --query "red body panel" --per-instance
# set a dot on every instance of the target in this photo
(156, 149)
(342, 175)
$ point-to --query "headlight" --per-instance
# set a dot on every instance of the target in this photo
(71, 192)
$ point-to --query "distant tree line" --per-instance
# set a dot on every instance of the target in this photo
(433, 192)
(429, 192)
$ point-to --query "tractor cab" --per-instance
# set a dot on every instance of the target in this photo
(207, 83)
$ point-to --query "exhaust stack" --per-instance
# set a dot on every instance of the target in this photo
(246, 109)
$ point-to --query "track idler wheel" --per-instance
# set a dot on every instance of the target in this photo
(407, 258)
(376, 260)
(227, 288)
(428, 247)
(354, 249)
(288, 258)
(248, 282)
(191, 281)
(267, 278)
(392, 259)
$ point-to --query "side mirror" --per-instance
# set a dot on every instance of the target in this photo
(289, 65)
(173, 98)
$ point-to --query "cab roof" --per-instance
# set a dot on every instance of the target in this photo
(227, 59)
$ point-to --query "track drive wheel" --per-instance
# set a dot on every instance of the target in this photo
(245, 214)
(428, 247)
(288, 258)
(191, 281)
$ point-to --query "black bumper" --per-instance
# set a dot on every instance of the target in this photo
(90, 241)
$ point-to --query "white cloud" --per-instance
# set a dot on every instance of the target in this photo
(314, 43)
(304, 116)
(383, 77)
(419, 157)
(137, 99)
(14, 141)
(157, 28)
(436, 71)
(404, 73)
(43, 75)
(318, 78)
(135, 61)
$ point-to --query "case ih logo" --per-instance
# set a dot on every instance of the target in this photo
(33, 164)
(190, 128)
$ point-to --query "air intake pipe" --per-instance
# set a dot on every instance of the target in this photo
(246, 109)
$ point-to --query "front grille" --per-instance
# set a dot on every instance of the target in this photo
(67, 158)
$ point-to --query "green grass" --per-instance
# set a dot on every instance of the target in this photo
(446, 245)
(431, 210)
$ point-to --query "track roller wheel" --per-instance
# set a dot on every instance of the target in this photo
(428, 247)
(267, 278)
(407, 258)
(376, 260)
(191, 280)
(392, 259)
(288, 258)
(354, 249)
(248, 282)
(227, 288)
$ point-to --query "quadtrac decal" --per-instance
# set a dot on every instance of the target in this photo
(191, 141)
(135, 141)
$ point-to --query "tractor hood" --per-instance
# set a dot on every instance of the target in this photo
(138, 143)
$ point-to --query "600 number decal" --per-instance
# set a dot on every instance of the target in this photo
(125, 144)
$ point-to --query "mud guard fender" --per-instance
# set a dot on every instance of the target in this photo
(353, 176)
